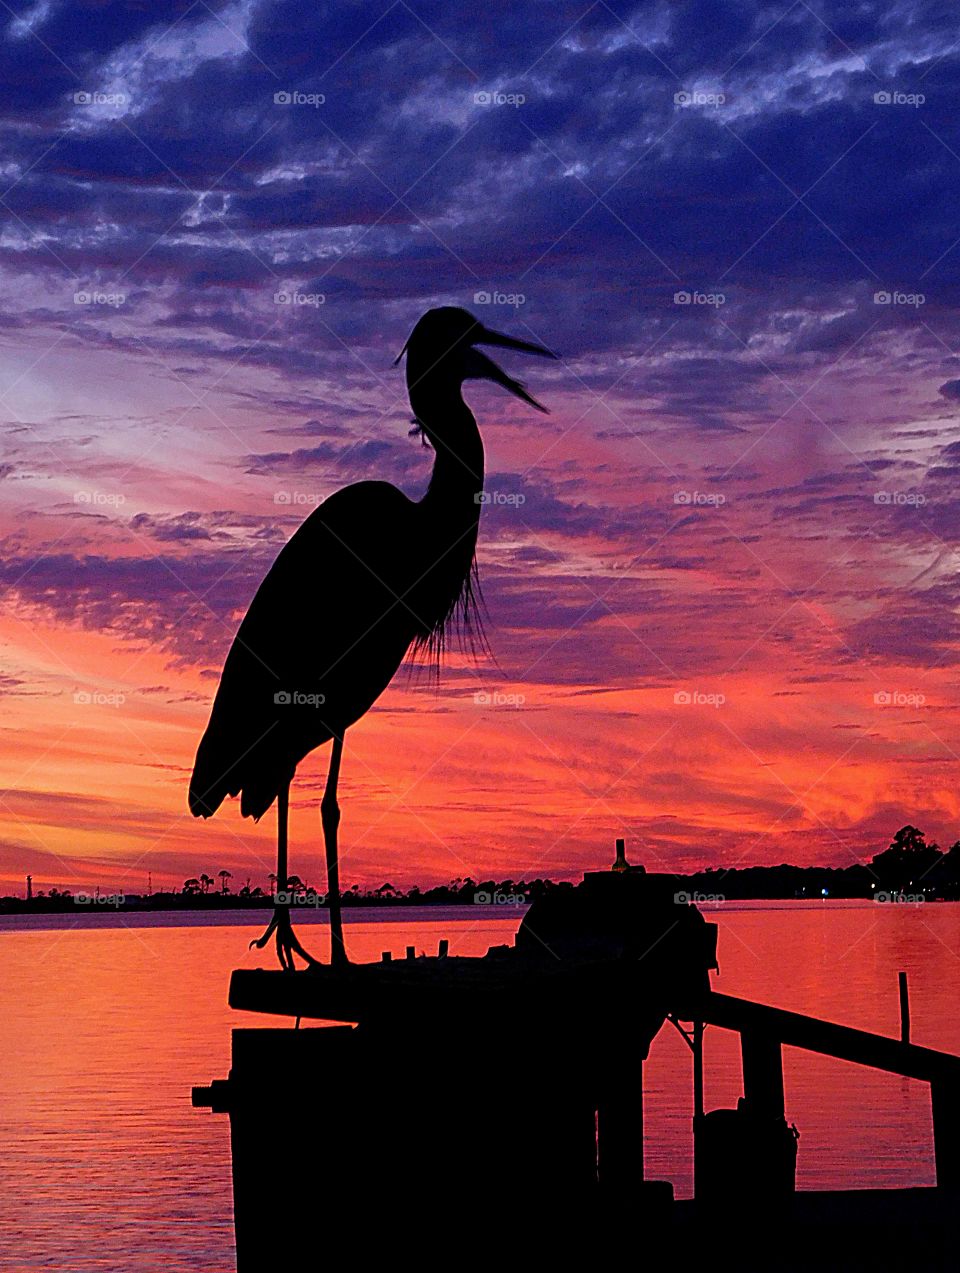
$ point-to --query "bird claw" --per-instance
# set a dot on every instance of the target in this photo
(260, 942)
(287, 942)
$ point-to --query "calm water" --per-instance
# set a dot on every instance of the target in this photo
(106, 1166)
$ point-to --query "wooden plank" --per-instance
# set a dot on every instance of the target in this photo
(455, 984)
(829, 1039)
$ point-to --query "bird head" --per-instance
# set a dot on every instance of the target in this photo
(441, 350)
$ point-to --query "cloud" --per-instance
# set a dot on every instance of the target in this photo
(702, 503)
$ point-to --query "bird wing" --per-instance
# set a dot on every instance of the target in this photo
(325, 632)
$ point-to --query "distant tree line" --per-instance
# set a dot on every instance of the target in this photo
(908, 867)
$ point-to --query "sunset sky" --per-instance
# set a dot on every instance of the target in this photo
(721, 575)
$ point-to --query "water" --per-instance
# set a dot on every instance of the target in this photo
(109, 1021)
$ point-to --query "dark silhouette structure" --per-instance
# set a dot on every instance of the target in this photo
(510, 1090)
(369, 574)
(472, 1091)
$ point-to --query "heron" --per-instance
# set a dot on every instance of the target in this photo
(368, 576)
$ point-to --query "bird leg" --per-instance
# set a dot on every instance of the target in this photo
(330, 820)
(287, 943)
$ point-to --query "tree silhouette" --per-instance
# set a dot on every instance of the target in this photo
(224, 876)
(908, 860)
(192, 886)
(946, 874)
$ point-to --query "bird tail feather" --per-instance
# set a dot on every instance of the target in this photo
(209, 785)
(257, 780)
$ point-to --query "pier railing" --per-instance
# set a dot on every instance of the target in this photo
(764, 1030)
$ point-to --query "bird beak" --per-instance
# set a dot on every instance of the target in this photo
(488, 337)
(478, 366)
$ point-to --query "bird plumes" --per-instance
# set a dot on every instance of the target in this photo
(463, 620)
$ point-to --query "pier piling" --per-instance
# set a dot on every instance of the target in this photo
(904, 1008)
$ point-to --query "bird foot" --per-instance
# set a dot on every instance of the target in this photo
(287, 943)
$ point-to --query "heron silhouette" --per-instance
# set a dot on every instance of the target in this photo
(369, 574)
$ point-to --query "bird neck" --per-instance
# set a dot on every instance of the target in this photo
(444, 597)
(456, 484)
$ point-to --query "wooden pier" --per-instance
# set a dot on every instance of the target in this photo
(457, 1082)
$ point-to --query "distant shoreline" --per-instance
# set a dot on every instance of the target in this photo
(83, 920)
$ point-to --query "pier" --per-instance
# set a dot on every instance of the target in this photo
(450, 1079)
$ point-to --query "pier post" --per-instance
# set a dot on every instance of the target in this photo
(620, 1133)
(762, 1073)
(946, 1134)
(904, 1008)
(698, 1069)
